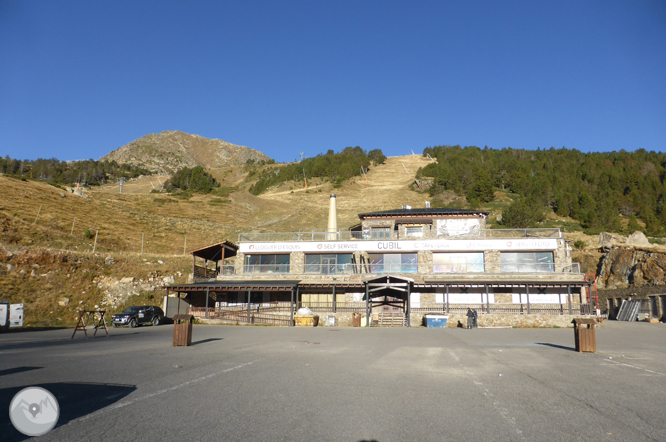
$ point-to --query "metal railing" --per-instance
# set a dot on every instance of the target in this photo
(348, 235)
(369, 268)
(278, 313)
(529, 268)
(228, 269)
(330, 269)
(266, 268)
(203, 272)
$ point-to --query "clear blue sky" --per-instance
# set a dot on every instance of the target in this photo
(81, 78)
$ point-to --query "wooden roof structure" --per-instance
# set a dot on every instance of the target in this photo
(216, 252)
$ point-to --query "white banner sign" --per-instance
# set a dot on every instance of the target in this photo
(457, 227)
(404, 246)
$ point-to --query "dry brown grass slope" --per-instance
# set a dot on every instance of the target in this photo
(164, 222)
(387, 187)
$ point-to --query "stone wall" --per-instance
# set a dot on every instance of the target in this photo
(515, 321)
(381, 223)
(297, 263)
(425, 264)
(492, 261)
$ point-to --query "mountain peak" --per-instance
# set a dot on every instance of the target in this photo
(171, 150)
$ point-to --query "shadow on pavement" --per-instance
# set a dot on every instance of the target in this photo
(14, 370)
(562, 347)
(74, 399)
(206, 340)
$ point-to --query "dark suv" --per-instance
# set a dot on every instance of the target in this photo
(140, 315)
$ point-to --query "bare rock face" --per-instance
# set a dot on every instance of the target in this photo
(608, 239)
(170, 151)
(622, 267)
(638, 238)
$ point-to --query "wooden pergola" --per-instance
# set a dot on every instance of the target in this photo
(238, 286)
(379, 289)
(212, 253)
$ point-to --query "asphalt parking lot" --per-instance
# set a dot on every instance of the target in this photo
(344, 384)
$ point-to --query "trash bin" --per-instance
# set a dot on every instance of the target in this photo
(182, 330)
(585, 335)
(356, 319)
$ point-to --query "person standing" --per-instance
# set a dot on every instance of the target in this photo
(470, 318)
(476, 318)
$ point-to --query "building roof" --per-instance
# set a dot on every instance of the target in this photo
(213, 252)
(219, 286)
(422, 213)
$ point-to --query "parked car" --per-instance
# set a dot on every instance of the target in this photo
(139, 315)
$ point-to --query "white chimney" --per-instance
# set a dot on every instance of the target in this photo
(332, 219)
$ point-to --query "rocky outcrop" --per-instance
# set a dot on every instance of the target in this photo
(623, 267)
(608, 239)
(170, 151)
(638, 239)
(118, 290)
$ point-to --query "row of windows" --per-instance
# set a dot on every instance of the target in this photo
(385, 232)
(341, 263)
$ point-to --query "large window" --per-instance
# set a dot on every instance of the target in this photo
(527, 262)
(457, 262)
(414, 231)
(266, 263)
(393, 262)
(329, 264)
(381, 232)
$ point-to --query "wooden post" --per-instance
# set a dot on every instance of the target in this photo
(409, 305)
(527, 292)
(72, 232)
(248, 305)
(569, 298)
(38, 212)
(207, 296)
(367, 305)
(95, 245)
(291, 309)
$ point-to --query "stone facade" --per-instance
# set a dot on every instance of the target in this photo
(297, 263)
(381, 223)
(492, 261)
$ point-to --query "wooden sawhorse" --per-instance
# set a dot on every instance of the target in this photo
(85, 317)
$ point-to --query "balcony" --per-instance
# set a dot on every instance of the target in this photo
(394, 268)
(348, 235)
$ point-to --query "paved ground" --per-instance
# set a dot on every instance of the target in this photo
(345, 384)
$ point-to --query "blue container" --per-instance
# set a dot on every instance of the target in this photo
(436, 321)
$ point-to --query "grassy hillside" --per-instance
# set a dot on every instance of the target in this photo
(49, 261)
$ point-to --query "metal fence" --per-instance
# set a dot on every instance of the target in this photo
(278, 313)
